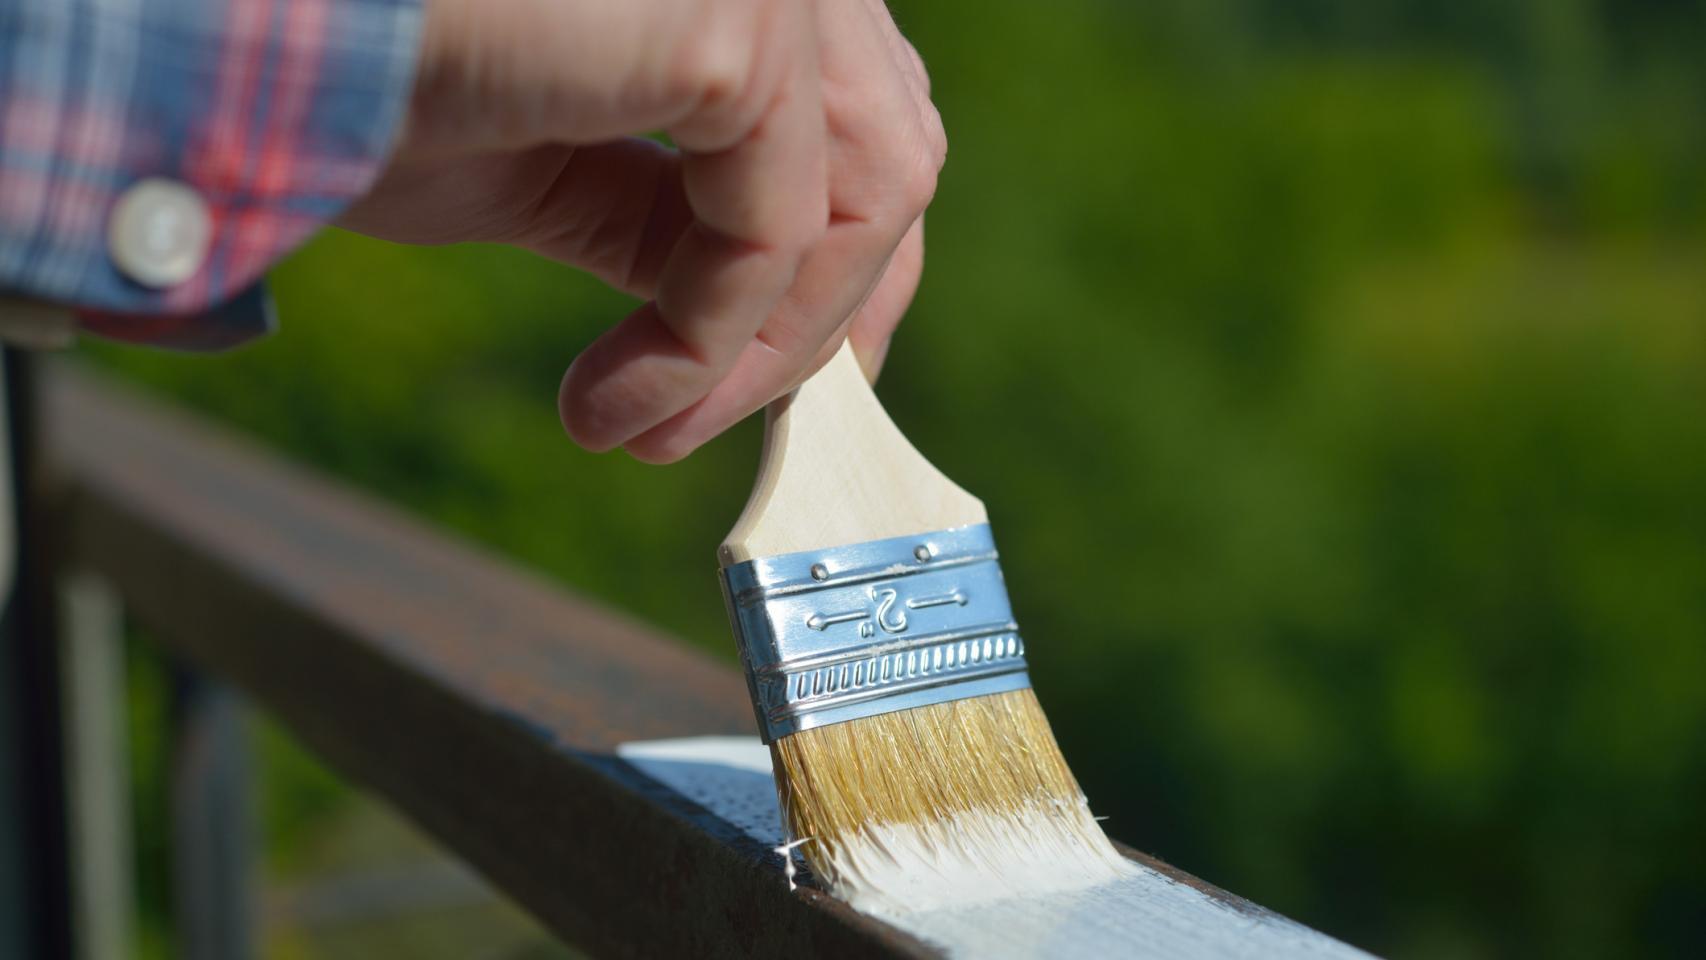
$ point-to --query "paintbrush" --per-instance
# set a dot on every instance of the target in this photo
(914, 766)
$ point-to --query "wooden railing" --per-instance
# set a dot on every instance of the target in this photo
(478, 699)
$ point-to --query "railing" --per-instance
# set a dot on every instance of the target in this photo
(483, 702)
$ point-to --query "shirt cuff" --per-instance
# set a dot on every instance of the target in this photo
(156, 158)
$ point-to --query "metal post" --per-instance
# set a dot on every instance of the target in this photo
(211, 829)
(35, 912)
(98, 783)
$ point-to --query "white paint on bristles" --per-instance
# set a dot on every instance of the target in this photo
(1029, 902)
(891, 868)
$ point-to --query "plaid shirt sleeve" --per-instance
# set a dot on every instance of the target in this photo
(277, 113)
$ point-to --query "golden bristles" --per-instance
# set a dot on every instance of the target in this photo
(951, 794)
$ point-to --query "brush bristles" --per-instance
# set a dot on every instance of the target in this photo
(956, 802)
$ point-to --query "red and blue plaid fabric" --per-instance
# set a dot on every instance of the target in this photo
(277, 112)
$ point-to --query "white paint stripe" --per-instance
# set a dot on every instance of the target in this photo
(1144, 914)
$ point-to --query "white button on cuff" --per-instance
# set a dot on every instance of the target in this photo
(159, 232)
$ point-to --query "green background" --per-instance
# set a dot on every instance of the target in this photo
(1334, 373)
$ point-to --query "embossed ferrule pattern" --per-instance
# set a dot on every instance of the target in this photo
(855, 631)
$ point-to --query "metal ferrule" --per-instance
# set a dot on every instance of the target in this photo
(860, 630)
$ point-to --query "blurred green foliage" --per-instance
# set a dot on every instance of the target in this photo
(1334, 374)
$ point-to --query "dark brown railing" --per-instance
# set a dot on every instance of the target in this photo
(479, 700)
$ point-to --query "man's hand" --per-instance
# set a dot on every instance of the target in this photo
(789, 215)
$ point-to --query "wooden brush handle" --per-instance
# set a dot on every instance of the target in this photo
(836, 470)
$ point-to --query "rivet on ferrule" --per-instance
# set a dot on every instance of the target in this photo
(865, 629)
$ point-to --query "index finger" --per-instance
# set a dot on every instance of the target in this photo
(754, 172)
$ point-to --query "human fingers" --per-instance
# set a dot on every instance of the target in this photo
(884, 159)
(753, 174)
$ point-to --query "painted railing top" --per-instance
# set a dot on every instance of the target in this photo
(486, 703)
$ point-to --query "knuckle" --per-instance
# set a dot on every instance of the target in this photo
(918, 66)
(918, 183)
(732, 69)
(915, 163)
(710, 69)
(935, 137)
(716, 58)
